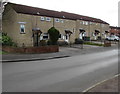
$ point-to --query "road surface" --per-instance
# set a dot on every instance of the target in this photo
(71, 74)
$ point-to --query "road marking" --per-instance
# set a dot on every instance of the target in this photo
(86, 90)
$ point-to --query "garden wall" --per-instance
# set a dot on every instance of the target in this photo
(41, 49)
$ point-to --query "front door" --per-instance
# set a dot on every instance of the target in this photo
(67, 38)
(36, 39)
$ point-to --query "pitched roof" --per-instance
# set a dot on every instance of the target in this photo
(50, 13)
(113, 27)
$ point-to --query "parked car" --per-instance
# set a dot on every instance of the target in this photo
(113, 38)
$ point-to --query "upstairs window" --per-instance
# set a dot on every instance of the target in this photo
(91, 23)
(81, 22)
(42, 18)
(61, 21)
(57, 20)
(86, 23)
(48, 19)
(22, 28)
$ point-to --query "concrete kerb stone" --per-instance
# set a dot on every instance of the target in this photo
(34, 59)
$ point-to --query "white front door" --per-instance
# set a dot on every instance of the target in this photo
(67, 38)
(81, 36)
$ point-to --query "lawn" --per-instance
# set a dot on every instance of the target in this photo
(2, 52)
(95, 44)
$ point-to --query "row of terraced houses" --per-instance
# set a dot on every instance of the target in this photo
(28, 25)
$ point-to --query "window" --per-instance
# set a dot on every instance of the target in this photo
(60, 36)
(81, 22)
(22, 28)
(61, 21)
(45, 36)
(57, 20)
(96, 23)
(86, 23)
(48, 19)
(91, 23)
(42, 18)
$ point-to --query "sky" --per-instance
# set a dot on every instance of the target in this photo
(106, 10)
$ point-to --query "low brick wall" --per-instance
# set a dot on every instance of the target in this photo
(107, 43)
(41, 49)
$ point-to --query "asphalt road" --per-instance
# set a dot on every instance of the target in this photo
(71, 74)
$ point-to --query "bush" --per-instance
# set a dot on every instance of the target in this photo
(79, 41)
(49, 42)
(43, 42)
(6, 40)
(54, 35)
(85, 38)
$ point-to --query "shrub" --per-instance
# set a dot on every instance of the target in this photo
(54, 35)
(85, 38)
(49, 42)
(43, 42)
(6, 40)
(79, 41)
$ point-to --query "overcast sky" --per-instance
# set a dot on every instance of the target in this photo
(106, 10)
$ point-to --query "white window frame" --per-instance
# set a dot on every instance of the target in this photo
(61, 21)
(42, 18)
(61, 36)
(45, 34)
(48, 19)
(91, 23)
(22, 27)
(86, 22)
(57, 20)
(81, 22)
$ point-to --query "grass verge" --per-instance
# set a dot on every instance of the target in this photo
(3, 52)
(91, 43)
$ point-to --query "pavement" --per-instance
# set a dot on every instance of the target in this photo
(65, 51)
(68, 52)
(109, 85)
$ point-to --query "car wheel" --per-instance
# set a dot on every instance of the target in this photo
(106, 39)
(115, 39)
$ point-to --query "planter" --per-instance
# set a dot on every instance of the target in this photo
(107, 43)
(41, 49)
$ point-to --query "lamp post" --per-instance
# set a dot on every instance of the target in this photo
(2, 4)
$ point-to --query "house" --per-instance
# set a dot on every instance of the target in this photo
(28, 25)
(115, 31)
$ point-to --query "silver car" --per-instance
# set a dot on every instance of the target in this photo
(113, 38)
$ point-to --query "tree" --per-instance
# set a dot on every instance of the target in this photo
(54, 35)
